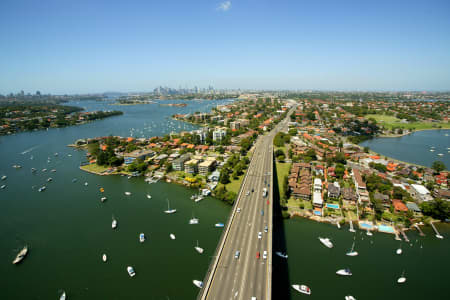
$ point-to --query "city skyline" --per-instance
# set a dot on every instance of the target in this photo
(83, 47)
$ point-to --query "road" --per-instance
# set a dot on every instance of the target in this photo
(247, 276)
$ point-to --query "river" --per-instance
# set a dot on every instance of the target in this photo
(415, 147)
(68, 229)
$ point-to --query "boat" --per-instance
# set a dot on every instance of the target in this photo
(399, 250)
(86, 184)
(169, 211)
(42, 188)
(350, 297)
(44, 170)
(369, 233)
(4, 177)
(17, 166)
(193, 221)
(326, 242)
(69, 155)
(21, 255)
(127, 193)
(3, 186)
(141, 237)
(56, 154)
(49, 179)
(198, 283)
(440, 154)
(104, 258)
(149, 197)
(281, 254)
(33, 170)
(130, 271)
(344, 272)
(402, 278)
(439, 236)
(103, 199)
(219, 225)
(114, 224)
(198, 249)
(302, 288)
(198, 198)
(431, 150)
(352, 252)
(74, 180)
(338, 225)
(172, 236)
(102, 190)
(63, 296)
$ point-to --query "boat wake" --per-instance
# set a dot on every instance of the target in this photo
(29, 150)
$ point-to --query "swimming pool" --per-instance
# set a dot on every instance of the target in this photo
(317, 212)
(385, 228)
(335, 206)
(365, 225)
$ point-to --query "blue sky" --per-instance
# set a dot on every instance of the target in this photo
(82, 46)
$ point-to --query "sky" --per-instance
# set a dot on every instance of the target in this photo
(62, 46)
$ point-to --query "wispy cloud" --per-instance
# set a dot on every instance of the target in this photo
(224, 6)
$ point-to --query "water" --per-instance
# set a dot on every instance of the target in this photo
(415, 147)
(68, 229)
(375, 270)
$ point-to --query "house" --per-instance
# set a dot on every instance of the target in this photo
(413, 207)
(399, 205)
(191, 166)
(348, 194)
(317, 195)
(219, 134)
(207, 166)
(382, 198)
(361, 191)
(137, 154)
(442, 194)
(178, 164)
(420, 192)
(334, 190)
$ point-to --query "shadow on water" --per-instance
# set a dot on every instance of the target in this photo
(280, 274)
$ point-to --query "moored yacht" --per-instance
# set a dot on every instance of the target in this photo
(172, 236)
(104, 258)
(399, 250)
(281, 254)
(352, 252)
(349, 297)
(103, 199)
(219, 225)
(63, 296)
(3, 186)
(326, 242)
(41, 189)
(302, 288)
(127, 193)
(169, 211)
(114, 224)
(4, 177)
(21, 255)
(402, 278)
(344, 272)
(198, 249)
(369, 233)
(198, 283)
(130, 271)
(149, 197)
(141, 237)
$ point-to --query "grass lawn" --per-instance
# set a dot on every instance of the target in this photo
(234, 185)
(94, 168)
(391, 121)
(282, 170)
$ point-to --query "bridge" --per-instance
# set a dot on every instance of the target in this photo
(247, 273)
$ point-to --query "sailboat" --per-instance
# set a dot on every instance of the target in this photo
(169, 211)
(402, 278)
(104, 258)
(352, 252)
(198, 249)
(114, 224)
(63, 296)
(193, 220)
(369, 233)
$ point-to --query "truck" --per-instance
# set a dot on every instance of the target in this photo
(264, 192)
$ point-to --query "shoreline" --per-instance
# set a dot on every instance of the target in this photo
(408, 133)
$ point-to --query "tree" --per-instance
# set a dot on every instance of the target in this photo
(279, 152)
(224, 176)
(281, 157)
(339, 170)
(438, 166)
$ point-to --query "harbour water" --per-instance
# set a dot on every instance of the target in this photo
(67, 229)
(415, 148)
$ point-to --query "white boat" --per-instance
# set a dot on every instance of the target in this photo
(103, 199)
(172, 236)
(198, 249)
(130, 271)
(399, 250)
(431, 150)
(219, 225)
(141, 237)
(149, 197)
(49, 179)
(198, 283)
(44, 170)
(338, 225)
(127, 193)
(114, 224)
(41, 189)
(104, 258)
(326, 242)
(350, 297)
(402, 278)
(439, 236)
(21, 255)
(193, 221)
(352, 252)
(3, 186)
(4, 177)
(86, 184)
(281, 254)
(63, 296)
(17, 166)
(198, 198)
(169, 211)
(344, 272)
(302, 288)
(369, 233)
(440, 154)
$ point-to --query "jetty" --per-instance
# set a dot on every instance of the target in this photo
(420, 230)
(404, 235)
(351, 226)
(436, 231)
(397, 237)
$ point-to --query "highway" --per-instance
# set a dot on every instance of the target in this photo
(247, 276)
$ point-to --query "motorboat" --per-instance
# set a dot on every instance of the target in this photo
(302, 288)
(17, 166)
(104, 258)
(402, 278)
(41, 189)
(399, 251)
(172, 236)
(114, 224)
(103, 199)
(21, 255)
(130, 271)
(344, 272)
(44, 170)
(169, 211)
(4, 177)
(102, 190)
(440, 154)
(141, 237)
(149, 197)
(439, 236)
(431, 150)
(86, 184)
(326, 242)
(127, 193)
(33, 170)
(49, 179)
(369, 233)
(3, 186)
(198, 249)
(198, 198)
(63, 296)
(198, 283)
(219, 225)
(193, 221)
(281, 254)
(350, 297)
(352, 252)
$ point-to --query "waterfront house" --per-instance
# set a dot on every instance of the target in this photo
(191, 166)
(348, 194)
(137, 154)
(420, 192)
(178, 164)
(399, 205)
(361, 191)
(334, 190)
(317, 194)
(442, 194)
(207, 166)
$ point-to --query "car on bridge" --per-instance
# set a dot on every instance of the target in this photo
(259, 235)
(239, 210)
(257, 254)
(266, 228)
(236, 255)
(265, 254)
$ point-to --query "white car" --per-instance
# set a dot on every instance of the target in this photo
(248, 193)
(259, 235)
(239, 210)
(236, 255)
(265, 254)
(266, 229)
